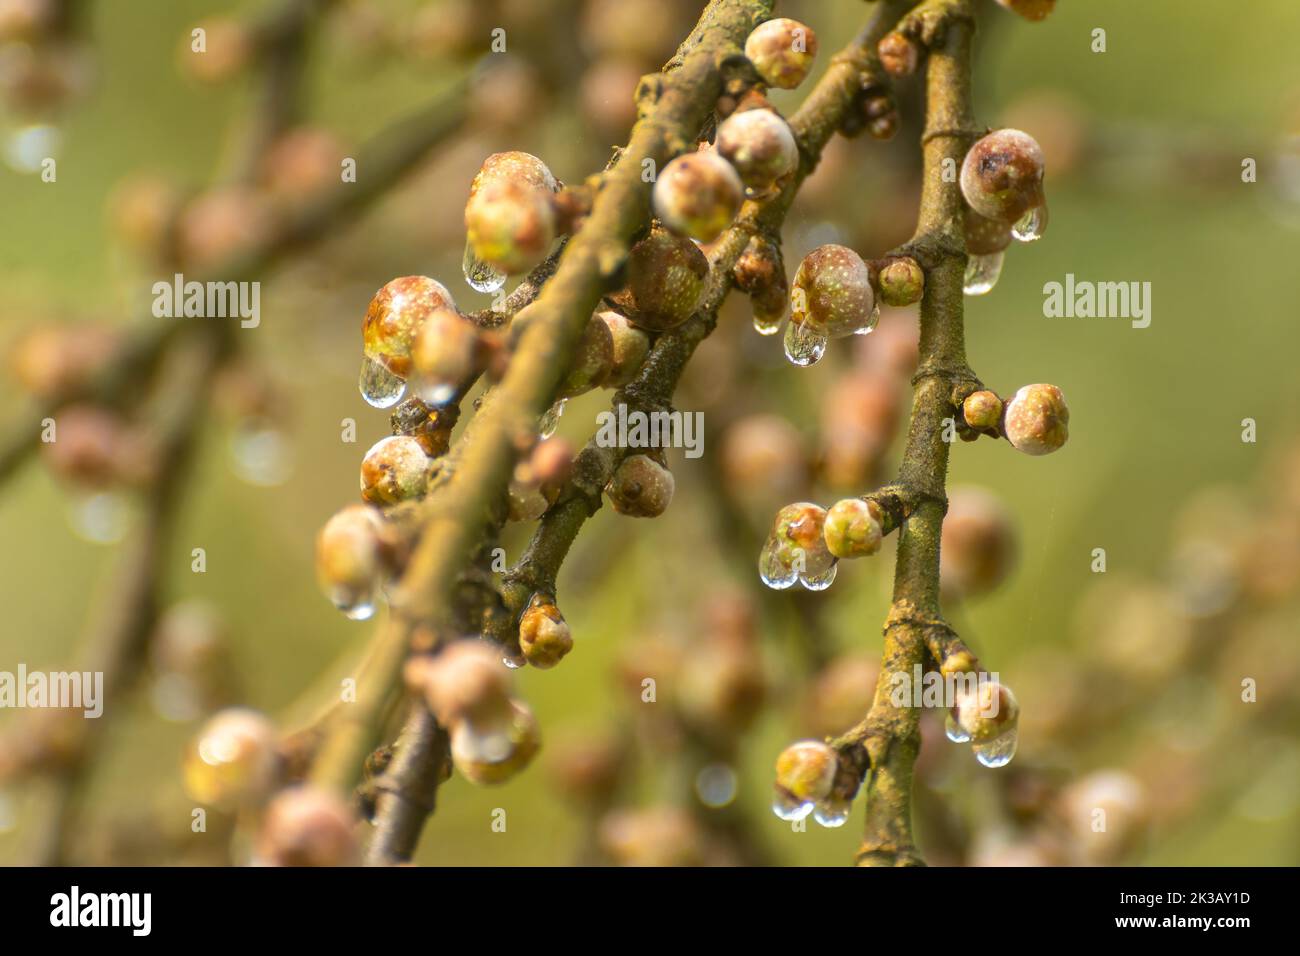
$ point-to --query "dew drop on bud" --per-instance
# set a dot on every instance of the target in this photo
(871, 323)
(480, 276)
(775, 571)
(514, 662)
(379, 387)
(982, 273)
(766, 326)
(100, 518)
(355, 605)
(998, 751)
(820, 580)
(437, 393)
(1031, 225)
(954, 730)
(547, 424)
(832, 813)
(804, 344)
(788, 807)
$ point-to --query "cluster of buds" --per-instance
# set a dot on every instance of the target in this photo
(1002, 183)
(1035, 420)
(807, 541)
(467, 687)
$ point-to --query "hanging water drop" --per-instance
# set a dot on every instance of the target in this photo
(1031, 225)
(766, 325)
(437, 393)
(804, 344)
(982, 273)
(819, 580)
(776, 572)
(355, 605)
(871, 323)
(547, 424)
(832, 813)
(998, 751)
(27, 147)
(480, 276)
(379, 387)
(100, 518)
(954, 730)
(788, 807)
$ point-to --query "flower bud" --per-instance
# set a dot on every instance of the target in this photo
(544, 635)
(982, 410)
(1029, 9)
(466, 681)
(307, 826)
(228, 47)
(510, 225)
(593, 362)
(488, 753)
(764, 457)
(853, 528)
(445, 355)
(902, 282)
(142, 210)
(395, 469)
(395, 316)
(1002, 175)
(631, 346)
(899, 54)
(665, 277)
(233, 760)
(760, 145)
(796, 549)
(832, 291)
(1117, 798)
(653, 836)
(94, 447)
(986, 711)
(698, 195)
(300, 164)
(782, 51)
(805, 774)
(350, 559)
(641, 487)
(219, 224)
(514, 166)
(1037, 419)
(977, 548)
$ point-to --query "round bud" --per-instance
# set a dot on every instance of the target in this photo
(307, 826)
(902, 282)
(631, 346)
(493, 752)
(510, 225)
(395, 316)
(832, 291)
(301, 164)
(219, 224)
(89, 447)
(782, 51)
(233, 760)
(984, 237)
(25, 20)
(977, 548)
(142, 210)
(466, 681)
(593, 362)
(805, 771)
(641, 487)
(721, 687)
(982, 410)
(1002, 175)
(350, 559)
(665, 277)
(551, 462)
(1037, 419)
(445, 354)
(760, 145)
(853, 528)
(1126, 808)
(859, 416)
(653, 836)
(514, 166)
(698, 195)
(985, 711)
(394, 469)
(899, 55)
(227, 48)
(544, 635)
(1030, 9)
(764, 456)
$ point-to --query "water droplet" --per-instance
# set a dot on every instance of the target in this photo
(379, 387)
(804, 344)
(547, 424)
(514, 661)
(437, 393)
(100, 517)
(982, 273)
(1031, 225)
(871, 322)
(487, 745)
(954, 730)
(480, 276)
(821, 579)
(998, 751)
(29, 146)
(775, 571)
(788, 807)
(355, 606)
(832, 813)
(715, 785)
(260, 455)
(766, 325)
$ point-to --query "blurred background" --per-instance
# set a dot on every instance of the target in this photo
(1130, 680)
